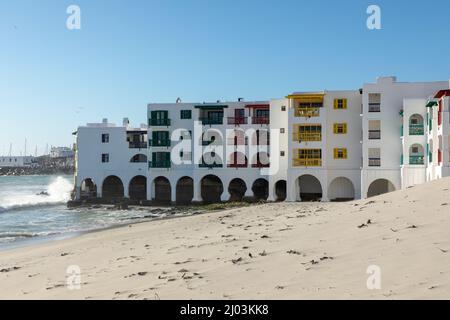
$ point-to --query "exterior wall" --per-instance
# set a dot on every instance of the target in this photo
(279, 122)
(16, 162)
(412, 173)
(393, 94)
(89, 156)
(338, 178)
(331, 168)
(224, 151)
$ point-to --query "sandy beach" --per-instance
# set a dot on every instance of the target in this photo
(271, 251)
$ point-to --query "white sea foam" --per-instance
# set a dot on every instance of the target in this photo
(57, 192)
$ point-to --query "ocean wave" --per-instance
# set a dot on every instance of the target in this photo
(56, 193)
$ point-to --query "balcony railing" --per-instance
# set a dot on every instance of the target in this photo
(374, 134)
(416, 130)
(260, 120)
(237, 120)
(211, 121)
(237, 165)
(374, 107)
(261, 165)
(416, 160)
(307, 112)
(210, 165)
(308, 137)
(160, 164)
(307, 162)
(374, 162)
(160, 143)
(159, 122)
(137, 145)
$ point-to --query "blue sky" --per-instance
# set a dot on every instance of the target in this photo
(130, 53)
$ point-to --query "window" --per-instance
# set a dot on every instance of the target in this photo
(340, 153)
(186, 114)
(105, 158)
(340, 104)
(282, 130)
(374, 157)
(282, 153)
(105, 138)
(415, 150)
(340, 128)
(283, 108)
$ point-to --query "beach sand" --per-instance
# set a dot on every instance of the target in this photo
(271, 251)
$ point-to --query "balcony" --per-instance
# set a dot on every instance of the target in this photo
(160, 143)
(307, 162)
(137, 145)
(159, 122)
(237, 120)
(260, 120)
(374, 107)
(374, 162)
(374, 134)
(210, 165)
(237, 166)
(416, 160)
(307, 137)
(166, 164)
(260, 165)
(416, 130)
(211, 121)
(307, 112)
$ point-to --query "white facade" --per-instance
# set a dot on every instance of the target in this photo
(17, 162)
(106, 150)
(61, 152)
(383, 103)
(326, 146)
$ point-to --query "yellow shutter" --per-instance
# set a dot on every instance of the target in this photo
(344, 128)
(344, 103)
(345, 153)
(335, 153)
(335, 128)
(335, 103)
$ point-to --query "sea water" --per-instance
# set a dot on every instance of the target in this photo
(33, 208)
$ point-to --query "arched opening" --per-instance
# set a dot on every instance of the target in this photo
(416, 127)
(237, 160)
(88, 189)
(185, 190)
(138, 188)
(112, 188)
(416, 155)
(260, 189)
(162, 190)
(261, 160)
(211, 188)
(310, 188)
(280, 190)
(139, 158)
(341, 189)
(380, 186)
(237, 189)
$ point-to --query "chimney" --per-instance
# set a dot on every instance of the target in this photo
(105, 121)
(240, 99)
(126, 122)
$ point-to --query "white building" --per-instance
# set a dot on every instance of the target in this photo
(111, 161)
(61, 152)
(384, 102)
(17, 162)
(326, 146)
